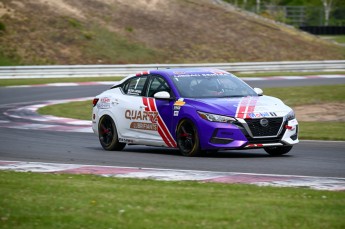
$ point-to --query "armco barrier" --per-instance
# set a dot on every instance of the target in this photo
(56, 71)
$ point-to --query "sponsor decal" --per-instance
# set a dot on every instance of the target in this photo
(200, 74)
(177, 106)
(262, 114)
(141, 115)
(125, 140)
(144, 126)
(105, 100)
(133, 92)
(179, 103)
(104, 103)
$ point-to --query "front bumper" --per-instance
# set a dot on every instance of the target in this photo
(239, 136)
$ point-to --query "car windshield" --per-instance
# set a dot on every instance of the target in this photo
(211, 86)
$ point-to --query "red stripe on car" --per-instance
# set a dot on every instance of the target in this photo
(242, 107)
(162, 129)
(251, 106)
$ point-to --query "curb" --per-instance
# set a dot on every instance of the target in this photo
(317, 183)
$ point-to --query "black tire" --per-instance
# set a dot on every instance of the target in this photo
(278, 150)
(188, 139)
(107, 134)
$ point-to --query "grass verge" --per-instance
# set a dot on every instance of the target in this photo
(292, 96)
(339, 38)
(296, 96)
(32, 200)
(16, 82)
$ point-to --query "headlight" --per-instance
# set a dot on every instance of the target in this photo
(290, 116)
(216, 118)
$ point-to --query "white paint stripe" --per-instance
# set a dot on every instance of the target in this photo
(38, 167)
(80, 122)
(169, 175)
(313, 183)
(61, 84)
(332, 76)
(292, 77)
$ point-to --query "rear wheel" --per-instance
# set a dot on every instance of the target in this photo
(107, 134)
(277, 151)
(188, 139)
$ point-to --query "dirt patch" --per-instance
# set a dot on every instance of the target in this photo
(62, 7)
(321, 112)
(174, 31)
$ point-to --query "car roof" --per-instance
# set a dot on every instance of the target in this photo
(187, 71)
(176, 72)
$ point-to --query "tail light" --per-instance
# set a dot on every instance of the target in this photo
(95, 101)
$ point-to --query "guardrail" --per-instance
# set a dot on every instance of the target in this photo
(59, 71)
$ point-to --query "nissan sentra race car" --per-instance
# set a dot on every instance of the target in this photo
(194, 110)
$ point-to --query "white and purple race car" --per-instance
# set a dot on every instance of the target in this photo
(194, 110)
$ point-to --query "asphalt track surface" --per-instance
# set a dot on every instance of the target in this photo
(308, 158)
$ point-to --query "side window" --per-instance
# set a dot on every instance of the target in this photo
(134, 86)
(157, 84)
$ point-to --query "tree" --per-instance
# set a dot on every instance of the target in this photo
(327, 7)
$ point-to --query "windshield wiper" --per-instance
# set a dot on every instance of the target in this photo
(231, 96)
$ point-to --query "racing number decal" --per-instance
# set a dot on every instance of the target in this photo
(150, 105)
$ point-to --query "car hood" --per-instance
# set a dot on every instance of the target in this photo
(242, 107)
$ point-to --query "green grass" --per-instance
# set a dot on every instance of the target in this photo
(322, 130)
(294, 96)
(8, 60)
(339, 38)
(16, 82)
(32, 200)
(78, 110)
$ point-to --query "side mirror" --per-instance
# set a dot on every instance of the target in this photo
(162, 95)
(259, 91)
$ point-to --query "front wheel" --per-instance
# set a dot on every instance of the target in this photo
(107, 134)
(277, 151)
(188, 139)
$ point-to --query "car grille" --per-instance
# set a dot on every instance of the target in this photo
(271, 129)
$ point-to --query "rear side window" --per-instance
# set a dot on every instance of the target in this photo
(134, 86)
